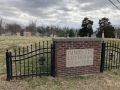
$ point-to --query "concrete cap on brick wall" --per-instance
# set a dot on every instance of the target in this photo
(63, 39)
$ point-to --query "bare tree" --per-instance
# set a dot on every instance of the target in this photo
(31, 27)
(13, 28)
(1, 27)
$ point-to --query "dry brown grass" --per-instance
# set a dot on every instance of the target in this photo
(109, 80)
(104, 81)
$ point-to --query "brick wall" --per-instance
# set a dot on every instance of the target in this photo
(63, 44)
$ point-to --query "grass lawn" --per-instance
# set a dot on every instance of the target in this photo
(109, 80)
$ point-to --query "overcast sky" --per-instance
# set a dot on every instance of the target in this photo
(58, 12)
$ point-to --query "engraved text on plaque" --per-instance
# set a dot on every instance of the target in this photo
(79, 57)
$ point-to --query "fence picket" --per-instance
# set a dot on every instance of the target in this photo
(39, 61)
(116, 50)
(36, 57)
(112, 55)
(109, 51)
(106, 51)
(114, 45)
(24, 60)
(47, 58)
(118, 56)
(43, 57)
(30, 61)
(15, 63)
(19, 61)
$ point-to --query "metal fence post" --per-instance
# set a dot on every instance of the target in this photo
(102, 57)
(53, 73)
(7, 65)
(10, 64)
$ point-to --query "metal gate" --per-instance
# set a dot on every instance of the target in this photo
(34, 60)
(110, 57)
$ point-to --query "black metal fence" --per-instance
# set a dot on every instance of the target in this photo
(39, 59)
(34, 60)
(110, 55)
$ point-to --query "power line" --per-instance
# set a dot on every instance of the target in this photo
(106, 3)
(118, 1)
(114, 4)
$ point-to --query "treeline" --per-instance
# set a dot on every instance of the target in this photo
(42, 30)
(86, 30)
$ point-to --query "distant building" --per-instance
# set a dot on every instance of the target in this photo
(2, 34)
(37, 34)
(27, 33)
(18, 34)
(7, 34)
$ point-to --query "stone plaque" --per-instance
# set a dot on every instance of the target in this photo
(79, 57)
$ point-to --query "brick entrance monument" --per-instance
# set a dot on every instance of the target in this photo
(77, 56)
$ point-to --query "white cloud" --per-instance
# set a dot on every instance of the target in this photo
(58, 12)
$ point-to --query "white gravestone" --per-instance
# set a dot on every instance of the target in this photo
(79, 57)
